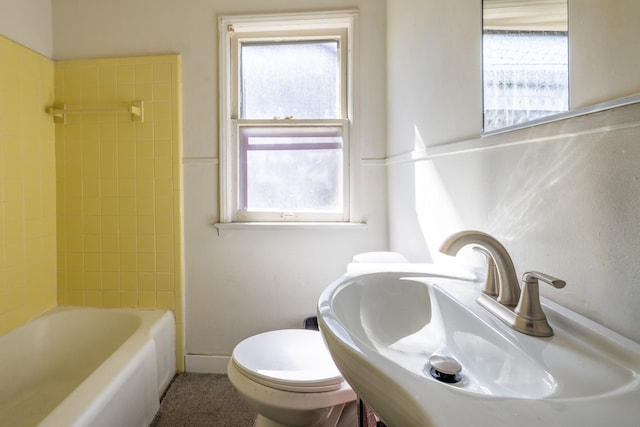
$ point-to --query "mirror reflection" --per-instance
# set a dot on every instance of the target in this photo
(525, 63)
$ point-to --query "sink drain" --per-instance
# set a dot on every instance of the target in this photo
(445, 369)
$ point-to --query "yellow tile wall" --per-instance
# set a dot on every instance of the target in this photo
(27, 186)
(119, 186)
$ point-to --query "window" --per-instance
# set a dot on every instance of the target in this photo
(287, 118)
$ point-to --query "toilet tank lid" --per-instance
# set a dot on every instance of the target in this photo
(297, 357)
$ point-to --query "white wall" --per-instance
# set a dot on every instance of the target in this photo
(28, 22)
(603, 66)
(563, 198)
(241, 282)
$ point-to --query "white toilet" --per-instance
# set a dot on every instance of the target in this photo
(289, 378)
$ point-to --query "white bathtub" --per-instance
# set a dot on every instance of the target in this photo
(76, 366)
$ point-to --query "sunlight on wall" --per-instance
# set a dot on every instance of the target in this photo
(27, 186)
(435, 221)
(418, 141)
(518, 211)
(119, 186)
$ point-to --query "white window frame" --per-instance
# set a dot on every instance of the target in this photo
(308, 26)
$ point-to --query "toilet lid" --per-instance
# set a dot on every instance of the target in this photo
(289, 359)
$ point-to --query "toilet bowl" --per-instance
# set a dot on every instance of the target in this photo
(289, 378)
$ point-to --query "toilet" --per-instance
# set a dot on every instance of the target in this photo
(290, 379)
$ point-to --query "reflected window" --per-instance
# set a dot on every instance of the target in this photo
(525, 76)
(525, 61)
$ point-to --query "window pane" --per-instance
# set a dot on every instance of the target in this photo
(292, 172)
(299, 80)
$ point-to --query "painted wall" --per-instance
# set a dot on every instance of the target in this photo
(564, 198)
(28, 22)
(605, 66)
(119, 186)
(27, 186)
(246, 281)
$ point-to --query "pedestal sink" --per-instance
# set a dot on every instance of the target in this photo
(383, 328)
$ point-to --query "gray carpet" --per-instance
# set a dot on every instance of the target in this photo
(203, 400)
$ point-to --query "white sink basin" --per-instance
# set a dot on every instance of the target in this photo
(383, 328)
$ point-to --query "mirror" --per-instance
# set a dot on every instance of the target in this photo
(525, 61)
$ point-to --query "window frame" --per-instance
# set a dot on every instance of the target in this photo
(235, 30)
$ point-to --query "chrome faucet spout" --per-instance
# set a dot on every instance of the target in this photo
(508, 286)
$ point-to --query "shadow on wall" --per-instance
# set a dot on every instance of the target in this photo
(564, 198)
(566, 203)
(531, 196)
(528, 195)
(525, 191)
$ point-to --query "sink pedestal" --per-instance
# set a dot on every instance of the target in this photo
(366, 416)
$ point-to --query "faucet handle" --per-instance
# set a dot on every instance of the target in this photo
(529, 312)
(490, 287)
(531, 276)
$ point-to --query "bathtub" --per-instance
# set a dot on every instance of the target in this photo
(77, 366)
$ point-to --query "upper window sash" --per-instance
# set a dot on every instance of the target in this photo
(237, 39)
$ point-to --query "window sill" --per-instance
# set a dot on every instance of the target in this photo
(288, 226)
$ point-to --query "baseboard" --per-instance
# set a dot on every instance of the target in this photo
(205, 364)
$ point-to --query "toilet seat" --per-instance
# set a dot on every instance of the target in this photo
(294, 360)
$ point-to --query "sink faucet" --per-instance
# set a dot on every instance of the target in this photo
(508, 288)
(520, 310)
